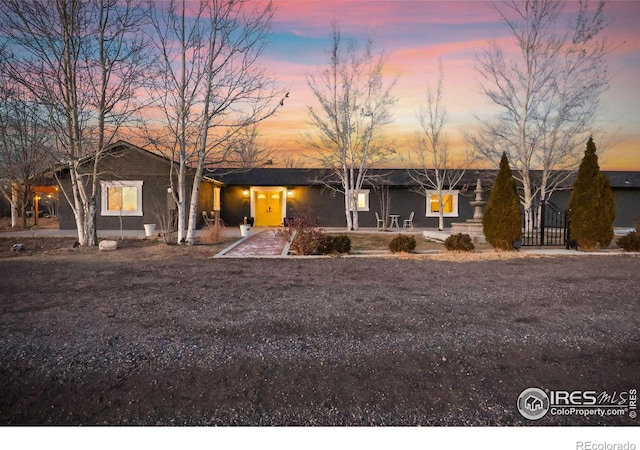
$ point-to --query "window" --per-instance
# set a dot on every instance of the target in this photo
(450, 204)
(362, 200)
(216, 199)
(121, 198)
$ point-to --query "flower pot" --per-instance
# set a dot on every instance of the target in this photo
(244, 230)
(149, 229)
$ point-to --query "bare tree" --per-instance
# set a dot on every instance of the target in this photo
(547, 94)
(24, 139)
(433, 167)
(246, 150)
(210, 87)
(290, 161)
(354, 107)
(82, 61)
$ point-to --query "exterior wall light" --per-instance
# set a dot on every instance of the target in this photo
(245, 193)
(289, 193)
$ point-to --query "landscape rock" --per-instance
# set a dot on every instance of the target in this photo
(108, 245)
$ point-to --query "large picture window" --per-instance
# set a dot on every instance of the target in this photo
(450, 204)
(121, 198)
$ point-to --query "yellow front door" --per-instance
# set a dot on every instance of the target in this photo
(268, 208)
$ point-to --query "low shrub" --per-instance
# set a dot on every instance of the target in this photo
(213, 234)
(630, 241)
(302, 233)
(402, 243)
(459, 243)
(328, 244)
(341, 243)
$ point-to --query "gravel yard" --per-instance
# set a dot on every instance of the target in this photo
(167, 335)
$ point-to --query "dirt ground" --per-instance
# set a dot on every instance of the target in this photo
(165, 335)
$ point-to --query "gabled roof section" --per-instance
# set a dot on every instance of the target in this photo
(118, 145)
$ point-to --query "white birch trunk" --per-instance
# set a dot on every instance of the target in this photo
(14, 207)
(181, 203)
(347, 209)
(355, 215)
(77, 207)
(193, 207)
(90, 220)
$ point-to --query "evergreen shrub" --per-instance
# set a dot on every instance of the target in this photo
(402, 243)
(502, 222)
(592, 207)
(459, 243)
(327, 244)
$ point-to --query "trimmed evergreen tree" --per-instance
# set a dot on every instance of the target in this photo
(592, 207)
(502, 222)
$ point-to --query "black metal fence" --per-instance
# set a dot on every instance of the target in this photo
(544, 224)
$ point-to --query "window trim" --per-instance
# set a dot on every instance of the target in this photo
(106, 184)
(454, 197)
(366, 193)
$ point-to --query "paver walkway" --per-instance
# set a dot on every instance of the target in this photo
(263, 243)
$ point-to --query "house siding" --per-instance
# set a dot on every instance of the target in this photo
(310, 193)
(234, 207)
(627, 205)
(128, 163)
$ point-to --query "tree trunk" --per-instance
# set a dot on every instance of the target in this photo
(193, 207)
(14, 207)
(181, 203)
(91, 229)
(347, 210)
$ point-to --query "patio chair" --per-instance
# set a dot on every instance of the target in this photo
(379, 221)
(408, 223)
(207, 220)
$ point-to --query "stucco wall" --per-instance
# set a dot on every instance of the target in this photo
(627, 205)
(328, 205)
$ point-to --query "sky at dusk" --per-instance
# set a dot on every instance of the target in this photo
(414, 35)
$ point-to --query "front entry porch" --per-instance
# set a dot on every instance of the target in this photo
(268, 205)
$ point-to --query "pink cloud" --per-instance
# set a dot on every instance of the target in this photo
(358, 16)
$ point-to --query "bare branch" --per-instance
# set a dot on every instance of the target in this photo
(354, 107)
(548, 93)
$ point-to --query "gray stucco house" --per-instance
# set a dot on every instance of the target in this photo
(268, 195)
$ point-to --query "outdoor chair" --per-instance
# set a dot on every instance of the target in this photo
(379, 221)
(408, 223)
(207, 220)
